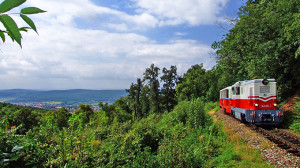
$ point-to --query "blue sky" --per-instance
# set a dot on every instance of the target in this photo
(107, 44)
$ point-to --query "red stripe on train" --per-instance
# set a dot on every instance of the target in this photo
(264, 98)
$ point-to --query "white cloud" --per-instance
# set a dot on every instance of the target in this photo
(65, 56)
(180, 33)
(92, 56)
(192, 12)
(64, 12)
(150, 14)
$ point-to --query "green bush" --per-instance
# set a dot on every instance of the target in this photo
(190, 113)
(296, 119)
(184, 137)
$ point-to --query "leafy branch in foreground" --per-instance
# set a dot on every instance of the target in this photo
(11, 28)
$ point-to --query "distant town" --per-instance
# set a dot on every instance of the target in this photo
(50, 106)
(56, 99)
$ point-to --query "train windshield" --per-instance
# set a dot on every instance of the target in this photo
(264, 89)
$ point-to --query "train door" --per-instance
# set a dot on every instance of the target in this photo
(251, 102)
(226, 95)
(236, 96)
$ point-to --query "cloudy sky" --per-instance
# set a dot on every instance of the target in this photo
(107, 44)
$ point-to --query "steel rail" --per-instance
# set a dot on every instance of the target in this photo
(295, 147)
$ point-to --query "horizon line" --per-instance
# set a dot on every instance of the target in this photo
(60, 89)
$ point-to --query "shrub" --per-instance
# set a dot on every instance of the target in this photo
(189, 113)
(296, 119)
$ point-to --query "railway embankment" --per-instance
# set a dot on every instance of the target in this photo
(270, 151)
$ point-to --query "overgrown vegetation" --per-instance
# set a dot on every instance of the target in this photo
(168, 126)
(296, 118)
(264, 43)
(184, 137)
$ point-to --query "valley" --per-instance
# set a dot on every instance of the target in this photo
(55, 99)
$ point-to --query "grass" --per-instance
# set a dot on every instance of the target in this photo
(267, 145)
(249, 156)
(245, 155)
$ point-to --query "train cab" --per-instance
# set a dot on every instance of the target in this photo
(252, 101)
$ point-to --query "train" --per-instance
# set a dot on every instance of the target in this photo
(252, 101)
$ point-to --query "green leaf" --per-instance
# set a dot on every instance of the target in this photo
(14, 158)
(2, 36)
(11, 27)
(25, 29)
(297, 53)
(7, 5)
(29, 22)
(32, 10)
(11, 36)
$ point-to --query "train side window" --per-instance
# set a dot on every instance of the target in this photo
(227, 93)
(237, 90)
(223, 94)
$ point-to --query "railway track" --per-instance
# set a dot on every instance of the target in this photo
(276, 156)
(283, 139)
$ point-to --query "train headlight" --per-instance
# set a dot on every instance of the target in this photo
(275, 105)
(265, 81)
(256, 105)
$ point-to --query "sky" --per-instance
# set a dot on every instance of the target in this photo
(108, 44)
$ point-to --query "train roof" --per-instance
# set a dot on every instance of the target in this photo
(252, 81)
(226, 88)
(248, 82)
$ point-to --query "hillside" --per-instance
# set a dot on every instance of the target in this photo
(163, 124)
(67, 97)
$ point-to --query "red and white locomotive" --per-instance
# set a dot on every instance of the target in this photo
(252, 101)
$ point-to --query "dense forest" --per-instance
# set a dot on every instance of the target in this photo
(264, 43)
(164, 119)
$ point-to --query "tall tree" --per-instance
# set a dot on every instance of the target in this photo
(151, 76)
(134, 95)
(170, 79)
(145, 102)
(193, 84)
(138, 88)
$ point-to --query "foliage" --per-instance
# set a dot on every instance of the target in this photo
(155, 126)
(296, 119)
(170, 79)
(134, 95)
(86, 111)
(151, 76)
(56, 119)
(264, 43)
(18, 115)
(146, 96)
(183, 137)
(197, 82)
(11, 28)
